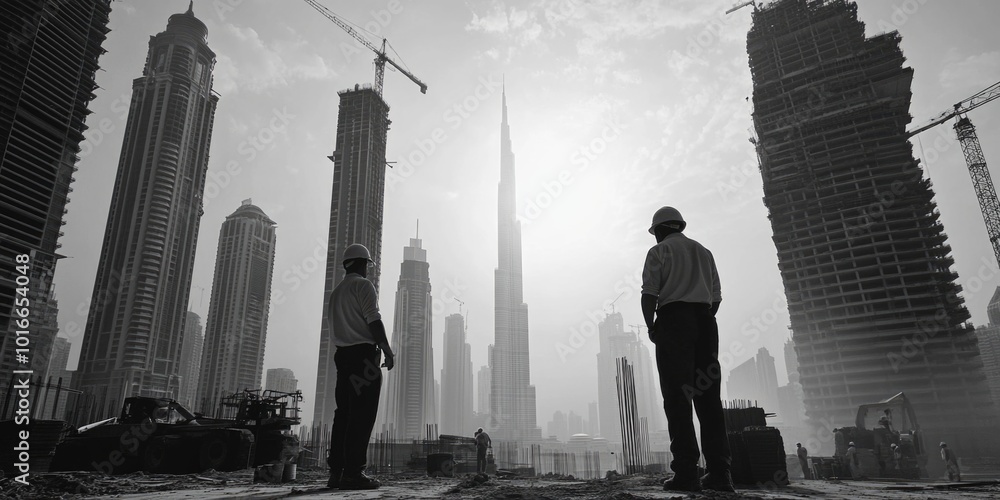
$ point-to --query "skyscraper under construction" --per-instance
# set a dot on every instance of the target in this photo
(355, 213)
(874, 305)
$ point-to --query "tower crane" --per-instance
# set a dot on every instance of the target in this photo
(974, 158)
(380, 56)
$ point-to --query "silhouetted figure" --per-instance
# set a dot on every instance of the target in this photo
(483, 443)
(359, 335)
(852, 461)
(950, 462)
(680, 285)
(803, 455)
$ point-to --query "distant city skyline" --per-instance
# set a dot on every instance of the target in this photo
(588, 83)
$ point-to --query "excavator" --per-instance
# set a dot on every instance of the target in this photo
(880, 425)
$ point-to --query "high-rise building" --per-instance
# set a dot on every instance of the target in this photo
(132, 342)
(409, 404)
(559, 426)
(281, 380)
(355, 214)
(512, 397)
(989, 346)
(58, 375)
(483, 390)
(574, 423)
(616, 343)
(456, 378)
(593, 419)
(191, 351)
(861, 250)
(743, 382)
(236, 332)
(791, 362)
(767, 380)
(49, 56)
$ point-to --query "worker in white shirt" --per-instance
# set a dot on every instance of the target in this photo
(359, 336)
(680, 296)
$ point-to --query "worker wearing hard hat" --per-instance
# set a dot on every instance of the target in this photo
(359, 336)
(852, 461)
(680, 296)
(950, 462)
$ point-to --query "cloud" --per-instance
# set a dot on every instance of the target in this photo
(260, 65)
(972, 73)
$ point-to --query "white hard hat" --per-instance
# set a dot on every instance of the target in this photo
(943, 444)
(667, 214)
(357, 251)
(851, 443)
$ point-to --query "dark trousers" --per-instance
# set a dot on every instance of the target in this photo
(481, 460)
(359, 381)
(687, 359)
(806, 473)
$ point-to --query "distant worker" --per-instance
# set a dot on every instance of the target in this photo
(897, 455)
(483, 443)
(950, 462)
(803, 460)
(680, 286)
(359, 336)
(852, 461)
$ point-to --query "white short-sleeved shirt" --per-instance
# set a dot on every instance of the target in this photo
(353, 304)
(679, 269)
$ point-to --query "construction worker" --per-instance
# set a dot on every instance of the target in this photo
(950, 462)
(852, 461)
(483, 443)
(680, 296)
(359, 336)
(803, 455)
(897, 455)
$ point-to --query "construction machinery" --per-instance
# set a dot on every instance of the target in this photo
(974, 158)
(380, 54)
(877, 427)
(159, 435)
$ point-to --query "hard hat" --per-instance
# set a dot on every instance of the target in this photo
(943, 444)
(667, 214)
(851, 443)
(357, 251)
(893, 445)
(798, 444)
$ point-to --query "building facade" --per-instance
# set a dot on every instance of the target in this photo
(135, 327)
(355, 214)
(281, 380)
(50, 56)
(989, 346)
(456, 379)
(191, 352)
(410, 403)
(236, 332)
(512, 397)
(616, 343)
(861, 250)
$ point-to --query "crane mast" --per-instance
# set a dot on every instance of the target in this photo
(986, 193)
(380, 56)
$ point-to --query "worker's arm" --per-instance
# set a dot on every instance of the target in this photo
(648, 312)
(716, 288)
(651, 275)
(377, 329)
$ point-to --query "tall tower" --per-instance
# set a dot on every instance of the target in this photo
(132, 342)
(191, 353)
(282, 380)
(512, 397)
(873, 303)
(410, 391)
(49, 58)
(456, 378)
(355, 214)
(236, 333)
(767, 380)
(989, 346)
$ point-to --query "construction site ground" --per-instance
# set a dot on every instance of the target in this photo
(311, 484)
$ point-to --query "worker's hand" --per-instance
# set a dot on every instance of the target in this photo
(389, 361)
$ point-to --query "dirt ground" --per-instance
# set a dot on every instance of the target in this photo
(311, 484)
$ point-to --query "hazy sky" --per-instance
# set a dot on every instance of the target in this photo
(616, 108)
